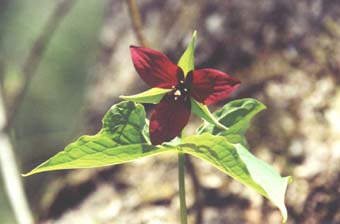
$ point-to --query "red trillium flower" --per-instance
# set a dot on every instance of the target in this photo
(170, 116)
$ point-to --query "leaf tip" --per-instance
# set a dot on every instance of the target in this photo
(26, 174)
(34, 171)
(284, 213)
(194, 35)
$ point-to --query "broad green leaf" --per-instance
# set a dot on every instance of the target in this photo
(239, 163)
(153, 95)
(124, 138)
(236, 115)
(187, 60)
(202, 111)
(120, 140)
(267, 177)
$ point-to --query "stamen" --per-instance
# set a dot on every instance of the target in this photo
(185, 89)
(172, 87)
(181, 81)
(177, 93)
(176, 98)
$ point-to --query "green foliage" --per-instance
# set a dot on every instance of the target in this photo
(153, 95)
(235, 115)
(236, 161)
(120, 140)
(124, 138)
(203, 112)
(187, 61)
(267, 178)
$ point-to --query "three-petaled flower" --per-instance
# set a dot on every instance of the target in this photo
(172, 113)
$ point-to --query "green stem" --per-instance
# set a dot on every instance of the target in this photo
(181, 184)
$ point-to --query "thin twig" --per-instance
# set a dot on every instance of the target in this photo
(136, 22)
(34, 57)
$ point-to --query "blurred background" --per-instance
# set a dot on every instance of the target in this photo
(75, 57)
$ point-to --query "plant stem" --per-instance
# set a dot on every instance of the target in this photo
(181, 184)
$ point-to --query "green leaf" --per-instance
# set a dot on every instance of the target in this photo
(240, 164)
(153, 95)
(120, 140)
(267, 177)
(124, 138)
(202, 111)
(236, 115)
(187, 60)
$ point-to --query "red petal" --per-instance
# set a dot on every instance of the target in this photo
(210, 86)
(154, 67)
(169, 118)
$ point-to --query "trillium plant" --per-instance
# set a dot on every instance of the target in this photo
(177, 90)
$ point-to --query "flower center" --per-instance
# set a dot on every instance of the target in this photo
(180, 91)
